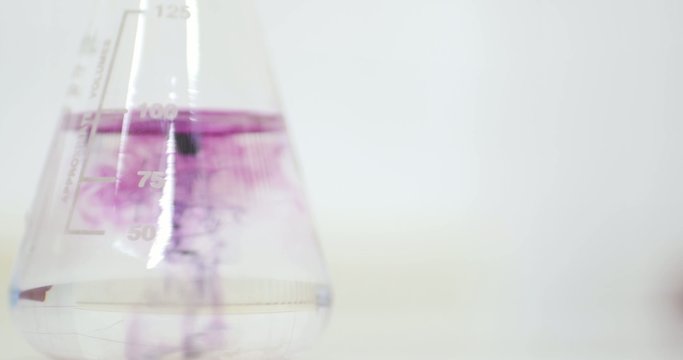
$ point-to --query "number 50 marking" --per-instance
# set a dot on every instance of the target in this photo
(144, 232)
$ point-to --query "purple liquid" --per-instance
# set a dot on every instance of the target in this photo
(219, 160)
(208, 248)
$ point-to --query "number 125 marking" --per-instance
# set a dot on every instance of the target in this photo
(174, 12)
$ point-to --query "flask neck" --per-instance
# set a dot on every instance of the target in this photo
(195, 54)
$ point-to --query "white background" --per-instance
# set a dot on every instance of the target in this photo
(492, 179)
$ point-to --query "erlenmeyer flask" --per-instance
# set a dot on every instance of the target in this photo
(170, 220)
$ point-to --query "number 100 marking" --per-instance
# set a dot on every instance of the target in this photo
(159, 111)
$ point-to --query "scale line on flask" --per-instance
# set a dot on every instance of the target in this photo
(93, 131)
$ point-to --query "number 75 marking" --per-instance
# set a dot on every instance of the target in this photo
(155, 179)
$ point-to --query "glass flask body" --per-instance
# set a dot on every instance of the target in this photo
(170, 221)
